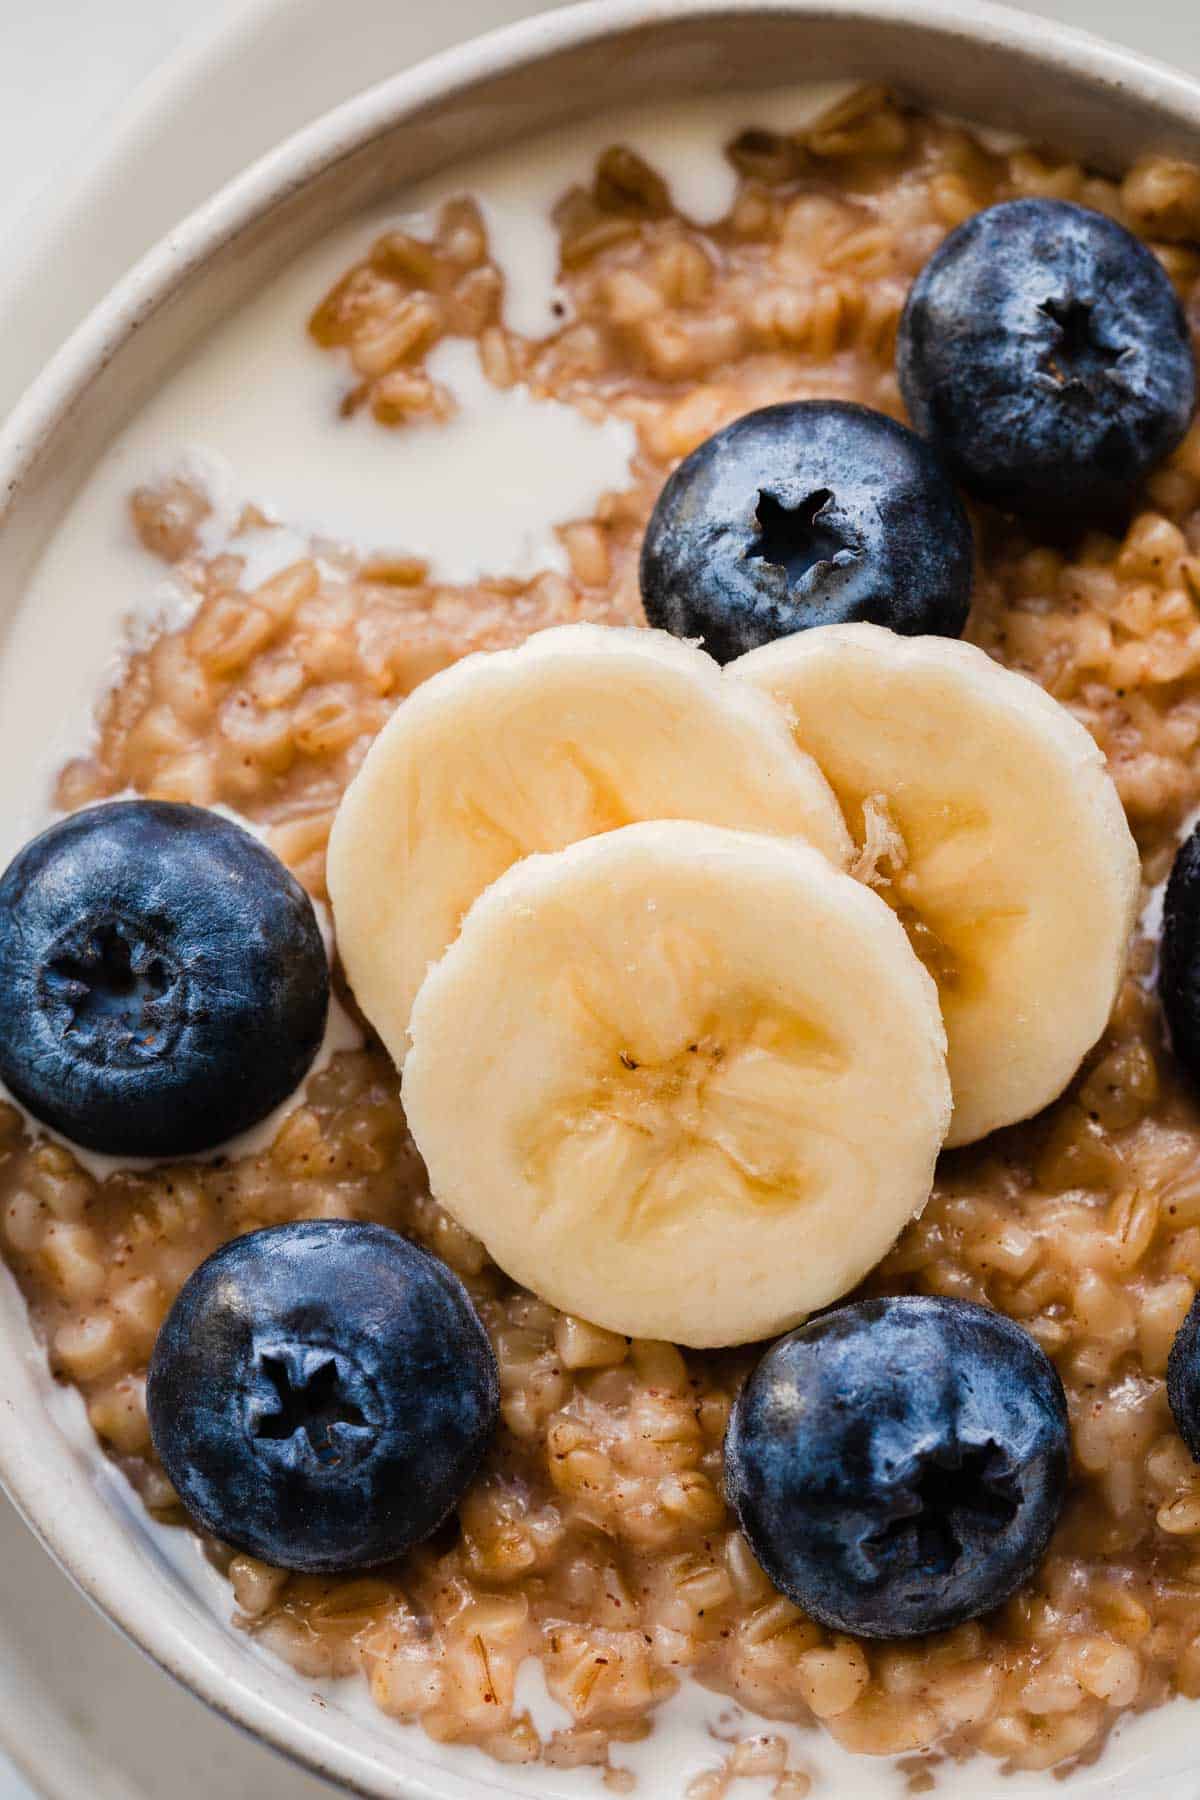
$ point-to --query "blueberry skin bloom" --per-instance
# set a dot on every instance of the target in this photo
(1044, 351)
(321, 1394)
(899, 1465)
(1183, 1379)
(163, 981)
(814, 512)
(1179, 956)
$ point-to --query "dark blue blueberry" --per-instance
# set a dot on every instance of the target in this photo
(1179, 959)
(163, 983)
(898, 1465)
(321, 1394)
(1183, 1379)
(810, 513)
(1045, 353)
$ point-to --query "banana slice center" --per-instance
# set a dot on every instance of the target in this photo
(940, 878)
(562, 792)
(690, 1103)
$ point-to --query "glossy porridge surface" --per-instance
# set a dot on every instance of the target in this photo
(597, 1538)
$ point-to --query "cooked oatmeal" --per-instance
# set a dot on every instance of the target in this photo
(597, 1538)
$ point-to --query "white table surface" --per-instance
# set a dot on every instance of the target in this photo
(65, 69)
(68, 69)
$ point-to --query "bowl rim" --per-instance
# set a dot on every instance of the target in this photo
(47, 405)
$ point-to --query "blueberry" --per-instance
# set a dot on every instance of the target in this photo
(814, 512)
(1044, 351)
(163, 983)
(1179, 958)
(1183, 1379)
(898, 1465)
(321, 1394)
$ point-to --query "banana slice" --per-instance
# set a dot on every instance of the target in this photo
(580, 730)
(685, 1082)
(987, 817)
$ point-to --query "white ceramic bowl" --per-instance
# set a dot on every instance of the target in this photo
(1001, 68)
